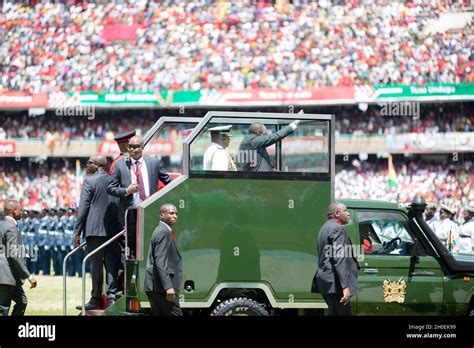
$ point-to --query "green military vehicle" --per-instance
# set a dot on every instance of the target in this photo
(248, 238)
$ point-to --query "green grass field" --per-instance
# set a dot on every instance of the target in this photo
(47, 297)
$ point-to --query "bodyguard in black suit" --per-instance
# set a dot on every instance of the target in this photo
(94, 221)
(336, 277)
(256, 143)
(164, 266)
(13, 269)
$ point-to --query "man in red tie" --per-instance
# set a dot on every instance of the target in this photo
(164, 266)
(134, 178)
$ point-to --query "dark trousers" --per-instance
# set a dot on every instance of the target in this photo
(120, 257)
(58, 260)
(107, 257)
(335, 307)
(46, 259)
(33, 261)
(161, 306)
(9, 293)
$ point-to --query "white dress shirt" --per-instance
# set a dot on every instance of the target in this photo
(144, 174)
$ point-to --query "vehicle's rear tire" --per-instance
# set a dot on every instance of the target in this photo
(239, 306)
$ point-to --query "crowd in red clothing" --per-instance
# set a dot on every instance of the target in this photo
(145, 45)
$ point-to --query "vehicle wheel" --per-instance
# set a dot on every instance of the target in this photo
(240, 306)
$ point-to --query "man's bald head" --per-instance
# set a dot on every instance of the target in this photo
(11, 205)
(102, 161)
(166, 207)
(13, 208)
(94, 163)
(338, 211)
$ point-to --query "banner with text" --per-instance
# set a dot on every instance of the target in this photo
(434, 92)
(437, 142)
(154, 147)
(7, 148)
(125, 99)
(13, 100)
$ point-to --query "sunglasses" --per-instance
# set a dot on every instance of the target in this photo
(89, 162)
(134, 146)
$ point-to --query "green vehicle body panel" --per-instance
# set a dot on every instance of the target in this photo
(244, 231)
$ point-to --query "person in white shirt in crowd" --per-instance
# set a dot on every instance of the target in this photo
(430, 216)
(447, 231)
(466, 232)
(217, 156)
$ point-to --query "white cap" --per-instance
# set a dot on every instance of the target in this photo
(469, 208)
(448, 209)
(221, 129)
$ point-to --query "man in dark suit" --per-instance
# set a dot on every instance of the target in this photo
(13, 269)
(336, 277)
(254, 147)
(135, 178)
(122, 142)
(164, 266)
(94, 221)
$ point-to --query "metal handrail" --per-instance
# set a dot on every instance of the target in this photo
(64, 274)
(83, 310)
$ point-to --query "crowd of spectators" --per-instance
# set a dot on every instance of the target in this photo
(229, 45)
(42, 184)
(434, 118)
(438, 182)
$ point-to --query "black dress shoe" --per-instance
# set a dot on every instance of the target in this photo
(89, 306)
(110, 302)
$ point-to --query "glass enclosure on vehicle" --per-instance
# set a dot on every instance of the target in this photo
(165, 141)
(227, 146)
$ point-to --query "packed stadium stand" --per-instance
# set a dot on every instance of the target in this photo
(145, 45)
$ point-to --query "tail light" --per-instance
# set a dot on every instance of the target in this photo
(134, 305)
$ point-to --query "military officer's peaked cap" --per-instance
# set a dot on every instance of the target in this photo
(124, 137)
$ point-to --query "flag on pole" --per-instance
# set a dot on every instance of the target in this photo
(392, 174)
(78, 168)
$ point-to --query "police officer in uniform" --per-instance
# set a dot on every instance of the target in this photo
(60, 242)
(466, 231)
(216, 156)
(53, 236)
(430, 216)
(447, 231)
(43, 243)
(32, 241)
(69, 241)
